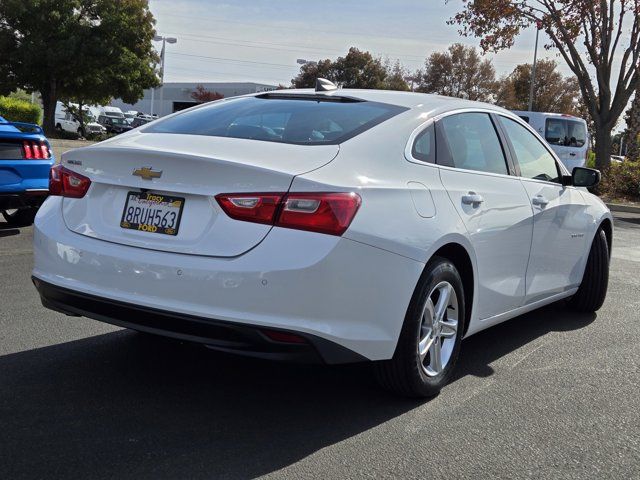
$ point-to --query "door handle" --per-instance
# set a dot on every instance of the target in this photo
(572, 154)
(539, 201)
(472, 198)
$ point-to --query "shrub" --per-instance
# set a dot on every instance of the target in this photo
(621, 181)
(15, 110)
(64, 135)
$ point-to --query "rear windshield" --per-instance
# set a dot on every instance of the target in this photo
(565, 133)
(298, 121)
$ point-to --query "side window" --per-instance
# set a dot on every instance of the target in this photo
(424, 146)
(577, 133)
(555, 131)
(472, 142)
(534, 159)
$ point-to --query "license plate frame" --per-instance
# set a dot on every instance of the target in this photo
(163, 225)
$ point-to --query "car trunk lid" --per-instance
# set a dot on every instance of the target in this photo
(184, 173)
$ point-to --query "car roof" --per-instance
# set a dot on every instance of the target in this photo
(434, 104)
(548, 114)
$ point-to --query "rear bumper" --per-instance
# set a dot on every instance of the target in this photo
(341, 291)
(27, 199)
(218, 335)
(24, 182)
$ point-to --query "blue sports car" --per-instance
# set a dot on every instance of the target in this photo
(25, 161)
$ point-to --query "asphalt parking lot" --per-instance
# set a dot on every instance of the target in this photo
(550, 394)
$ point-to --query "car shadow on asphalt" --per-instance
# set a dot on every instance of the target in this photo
(8, 231)
(482, 349)
(124, 404)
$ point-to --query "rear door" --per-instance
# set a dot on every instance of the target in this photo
(492, 204)
(560, 217)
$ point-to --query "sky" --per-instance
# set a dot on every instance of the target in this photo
(260, 40)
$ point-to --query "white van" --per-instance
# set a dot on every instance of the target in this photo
(113, 112)
(567, 135)
(67, 122)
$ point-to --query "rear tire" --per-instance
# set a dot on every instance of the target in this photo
(429, 343)
(593, 289)
(20, 218)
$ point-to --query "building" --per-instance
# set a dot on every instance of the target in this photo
(177, 96)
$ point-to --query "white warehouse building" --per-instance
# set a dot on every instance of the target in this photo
(177, 96)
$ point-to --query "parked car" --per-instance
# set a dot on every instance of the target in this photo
(67, 122)
(114, 124)
(139, 121)
(25, 161)
(324, 225)
(567, 135)
(129, 116)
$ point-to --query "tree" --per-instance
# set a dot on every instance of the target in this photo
(357, 69)
(84, 50)
(552, 91)
(458, 72)
(600, 26)
(396, 75)
(632, 138)
(202, 95)
(311, 71)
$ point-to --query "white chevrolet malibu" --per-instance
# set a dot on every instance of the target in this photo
(330, 225)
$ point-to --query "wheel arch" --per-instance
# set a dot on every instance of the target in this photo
(458, 251)
(607, 226)
(458, 255)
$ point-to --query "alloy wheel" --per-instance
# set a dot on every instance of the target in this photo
(438, 329)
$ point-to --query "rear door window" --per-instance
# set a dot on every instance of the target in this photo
(534, 159)
(472, 143)
(302, 120)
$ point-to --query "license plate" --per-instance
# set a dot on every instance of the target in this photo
(152, 212)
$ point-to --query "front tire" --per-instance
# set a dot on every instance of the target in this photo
(593, 289)
(430, 339)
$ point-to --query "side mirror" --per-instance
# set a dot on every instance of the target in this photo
(585, 177)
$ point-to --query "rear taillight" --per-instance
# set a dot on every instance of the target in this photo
(66, 183)
(251, 207)
(35, 150)
(329, 213)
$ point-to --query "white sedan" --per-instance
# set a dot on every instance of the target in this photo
(331, 225)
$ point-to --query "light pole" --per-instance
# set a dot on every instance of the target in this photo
(533, 68)
(165, 40)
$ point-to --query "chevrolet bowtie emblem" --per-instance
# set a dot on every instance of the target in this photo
(147, 173)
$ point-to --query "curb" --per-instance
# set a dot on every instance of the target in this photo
(618, 207)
